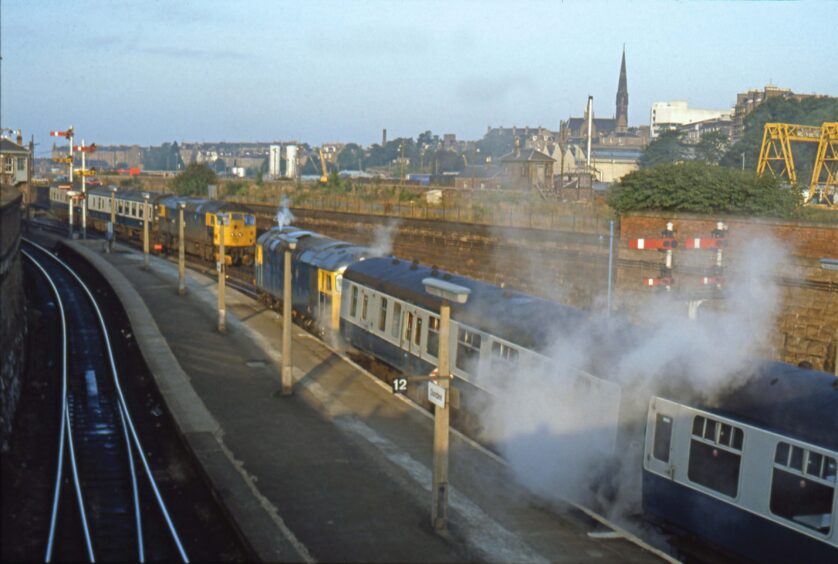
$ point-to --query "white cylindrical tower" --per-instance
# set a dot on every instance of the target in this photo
(291, 161)
(274, 159)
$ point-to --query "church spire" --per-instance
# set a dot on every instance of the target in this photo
(622, 98)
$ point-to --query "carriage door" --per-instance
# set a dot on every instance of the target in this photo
(325, 292)
(411, 337)
(660, 442)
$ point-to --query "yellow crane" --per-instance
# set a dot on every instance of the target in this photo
(776, 157)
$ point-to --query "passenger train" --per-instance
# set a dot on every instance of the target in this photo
(201, 228)
(753, 472)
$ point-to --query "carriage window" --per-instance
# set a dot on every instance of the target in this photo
(364, 307)
(353, 309)
(663, 437)
(468, 350)
(327, 282)
(397, 320)
(417, 338)
(249, 220)
(714, 459)
(432, 346)
(382, 315)
(806, 497)
(504, 358)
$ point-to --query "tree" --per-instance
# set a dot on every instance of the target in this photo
(194, 180)
(350, 157)
(699, 187)
(711, 147)
(667, 148)
(809, 111)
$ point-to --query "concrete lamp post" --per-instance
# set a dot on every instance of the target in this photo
(71, 195)
(112, 225)
(289, 246)
(181, 252)
(438, 394)
(221, 219)
(145, 230)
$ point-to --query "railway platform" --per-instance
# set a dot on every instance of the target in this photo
(341, 470)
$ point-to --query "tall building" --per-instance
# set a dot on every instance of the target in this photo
(615, 146)
(622, 98)
(671, 115)
(274, 161)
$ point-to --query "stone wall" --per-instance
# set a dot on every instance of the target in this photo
(12, 316)
(806, 329)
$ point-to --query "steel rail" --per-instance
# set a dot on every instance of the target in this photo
(158, 496)
(134, 486)
(64, 425)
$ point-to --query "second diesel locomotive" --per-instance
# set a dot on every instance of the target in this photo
(201, 228)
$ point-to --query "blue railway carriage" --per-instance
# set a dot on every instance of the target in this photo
(129, 208)
(495, 335)
(753, 471)
(317, 269)
(202, 230)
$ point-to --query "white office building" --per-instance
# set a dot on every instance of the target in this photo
(669, 115)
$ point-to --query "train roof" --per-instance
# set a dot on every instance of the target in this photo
(514, 316)
(316, 249)
(129, 194)
(202, 205)
(792, 401)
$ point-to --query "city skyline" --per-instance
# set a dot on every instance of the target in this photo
(134, 73)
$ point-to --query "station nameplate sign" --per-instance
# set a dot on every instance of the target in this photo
(436, 394)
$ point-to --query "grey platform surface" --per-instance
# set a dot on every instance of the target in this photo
(340, 471)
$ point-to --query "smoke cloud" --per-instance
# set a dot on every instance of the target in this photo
(559, 432)
(382, 238)
(283, 215)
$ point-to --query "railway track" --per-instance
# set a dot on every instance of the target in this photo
(101, 467)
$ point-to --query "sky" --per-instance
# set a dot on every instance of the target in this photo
(145, 72)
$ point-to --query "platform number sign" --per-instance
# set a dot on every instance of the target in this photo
(399, 385)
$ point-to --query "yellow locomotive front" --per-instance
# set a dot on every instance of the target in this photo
(239, 235)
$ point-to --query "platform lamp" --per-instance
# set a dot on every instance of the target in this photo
(448, 292)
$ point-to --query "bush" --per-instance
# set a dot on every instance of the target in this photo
(194, 180)
(699, 187)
